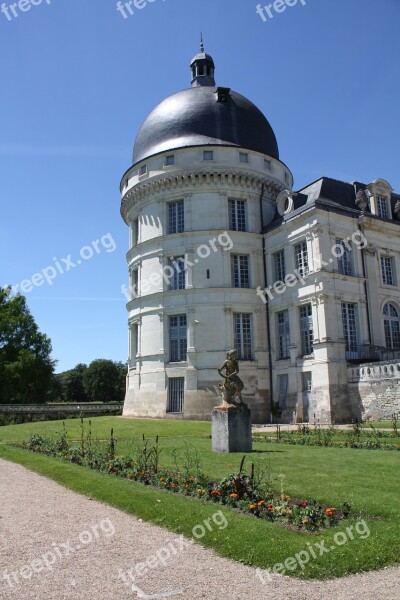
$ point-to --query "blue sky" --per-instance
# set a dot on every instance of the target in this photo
(77, 80)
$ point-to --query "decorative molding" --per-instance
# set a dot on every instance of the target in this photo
(240, 179)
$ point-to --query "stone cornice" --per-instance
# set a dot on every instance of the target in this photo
(218, 178)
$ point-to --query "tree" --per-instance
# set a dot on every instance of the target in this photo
(56, 390)
(104, 381)
(26, 368)
(73, 386)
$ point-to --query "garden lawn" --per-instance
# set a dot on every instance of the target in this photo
(367, 479)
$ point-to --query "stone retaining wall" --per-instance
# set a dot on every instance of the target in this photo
(375, 387)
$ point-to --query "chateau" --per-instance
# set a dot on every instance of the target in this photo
(224, 254)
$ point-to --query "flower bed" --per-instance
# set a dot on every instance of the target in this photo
(240, 491)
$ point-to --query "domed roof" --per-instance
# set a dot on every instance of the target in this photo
(204, 115)
(195, 117)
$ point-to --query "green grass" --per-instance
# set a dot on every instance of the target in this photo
(379, 424)
(368, 479)
(340, 436)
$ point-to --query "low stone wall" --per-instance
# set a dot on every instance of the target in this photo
(374, 390)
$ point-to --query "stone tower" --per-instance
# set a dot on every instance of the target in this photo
(203, 183)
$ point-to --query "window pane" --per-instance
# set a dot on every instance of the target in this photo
(382, 208)
(392, 327)
(240, 271)
(135, 232)
(178, 338)
(345, 264)
(349, 319)
(279, 266)
(301, 258)
(283, 334)
(135, 283)
(387, 270)
(237, 215)
(306, 329)
(178, 279)
(242, 336)
(176, 217)
(283, 381)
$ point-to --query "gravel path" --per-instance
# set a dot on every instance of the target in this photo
(41, 521)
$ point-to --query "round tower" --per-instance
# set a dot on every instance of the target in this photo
(204, 182)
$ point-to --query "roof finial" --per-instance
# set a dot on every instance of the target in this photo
(201, 43)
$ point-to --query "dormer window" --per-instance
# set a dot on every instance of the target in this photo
(267, 164)
(208, 155)
(382, 207)
(243, 157)
(170, 160)
(143, 170)
(223, 94)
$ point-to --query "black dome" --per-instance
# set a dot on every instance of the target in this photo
(196, 117)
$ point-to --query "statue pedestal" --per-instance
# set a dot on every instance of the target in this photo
(231, 429)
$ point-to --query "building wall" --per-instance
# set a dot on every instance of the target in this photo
(327, 289)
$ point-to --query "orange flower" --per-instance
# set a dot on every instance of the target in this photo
(261, 502)
(330, 512)
(269, 508)
(303, 504)
(252, 506)
(233, 495)
(287, 497)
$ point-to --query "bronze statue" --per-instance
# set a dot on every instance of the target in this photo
(232, 385)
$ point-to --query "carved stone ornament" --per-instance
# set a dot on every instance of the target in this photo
(361, 200)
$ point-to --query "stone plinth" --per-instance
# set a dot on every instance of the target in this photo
(231, 429)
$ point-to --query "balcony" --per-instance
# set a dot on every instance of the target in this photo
(370, 353)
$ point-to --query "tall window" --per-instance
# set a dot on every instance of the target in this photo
(279, 265)
(387, 270)
(176, 391)
(240, 271)
(237, 215)
(392, 327)
(208, 155)
(177, 281)
(243, 157)
(135, 232)
(134, 344)
(176, 217)
(306, 330)
(283, 381)
(170, 160)
(382, 207)
(301, 258)
(349, 319)
(135, 283)
(242, 336)
(345, 264)
(178, 338)
(283, 334)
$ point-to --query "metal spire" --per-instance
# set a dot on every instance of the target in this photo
(201, 43)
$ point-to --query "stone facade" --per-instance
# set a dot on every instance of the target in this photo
(375, 390)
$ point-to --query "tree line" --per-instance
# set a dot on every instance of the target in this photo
(27, 370)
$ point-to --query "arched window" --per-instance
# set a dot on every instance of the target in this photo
(392, 327)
